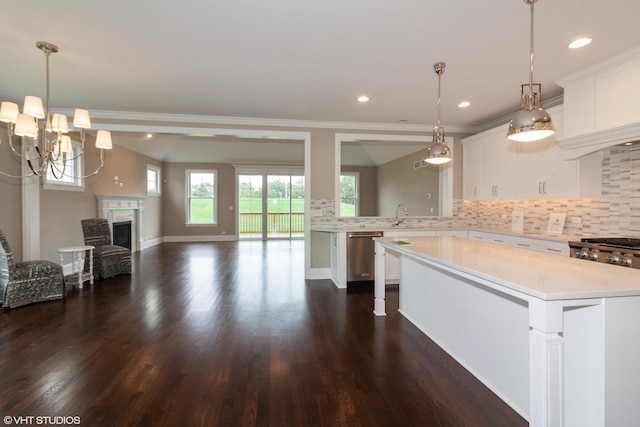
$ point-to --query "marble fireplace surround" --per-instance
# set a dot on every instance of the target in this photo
(108, 205)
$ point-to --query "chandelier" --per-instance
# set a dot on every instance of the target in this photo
(532, 123)
(48, 149)
(438, 152)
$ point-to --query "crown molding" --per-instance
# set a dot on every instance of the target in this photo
(153, 121)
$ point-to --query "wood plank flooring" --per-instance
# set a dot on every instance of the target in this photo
(230, 334)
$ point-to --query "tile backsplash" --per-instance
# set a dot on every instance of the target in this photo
(616, 213)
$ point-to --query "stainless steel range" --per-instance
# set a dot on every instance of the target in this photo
(613, 250)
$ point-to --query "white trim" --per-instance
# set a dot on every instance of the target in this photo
(30, 215)
(115, 119)
(242, 169)
(151, 242)
(602, 66)
(107, 204)
(158, 171)
(215, 197)
(187, 239)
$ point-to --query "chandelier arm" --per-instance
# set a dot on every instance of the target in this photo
(35, 172)
(16, 176)
(52, 165)
(95, 172)
(17, 153)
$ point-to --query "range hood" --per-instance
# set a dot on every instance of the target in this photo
(601, 107)
(581, 145)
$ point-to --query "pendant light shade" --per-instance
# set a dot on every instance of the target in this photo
(532, 123)
(438, 152)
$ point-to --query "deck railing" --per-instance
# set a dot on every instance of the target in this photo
(276, 222)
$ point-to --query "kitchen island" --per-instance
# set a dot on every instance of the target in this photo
(557, 338)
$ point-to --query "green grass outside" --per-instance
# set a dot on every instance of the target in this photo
(202, 209)
(274, 205)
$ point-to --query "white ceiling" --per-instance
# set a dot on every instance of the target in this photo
(296, 60)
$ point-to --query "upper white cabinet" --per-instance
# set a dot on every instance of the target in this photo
(542, 172)
(497, 168)
(600, 103)
(604, 95)
(490, 164)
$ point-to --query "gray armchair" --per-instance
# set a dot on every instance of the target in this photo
(28, 282)
(108, 260)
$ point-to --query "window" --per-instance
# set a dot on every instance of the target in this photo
(66, 175)
(349, 193)
(201, 197)
(153, 180)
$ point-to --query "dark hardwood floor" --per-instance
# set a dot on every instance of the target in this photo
(230, 334)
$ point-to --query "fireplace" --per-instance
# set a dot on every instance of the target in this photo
(122, 234)
(123, 209)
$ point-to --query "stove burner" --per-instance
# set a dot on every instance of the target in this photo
(613, 250)
(615, 242)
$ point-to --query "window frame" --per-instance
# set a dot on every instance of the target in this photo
(158, 180)
(356, 198)
(78, 184)
(188, 198)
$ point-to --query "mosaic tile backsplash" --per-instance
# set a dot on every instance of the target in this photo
(616, 213)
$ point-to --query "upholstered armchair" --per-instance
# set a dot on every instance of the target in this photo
(29, 281)
(108, 260)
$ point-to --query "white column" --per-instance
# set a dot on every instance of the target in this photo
(379, 282)
(30, 215)
(546, 360)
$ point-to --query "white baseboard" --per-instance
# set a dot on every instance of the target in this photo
(150, 243)
(186, 239)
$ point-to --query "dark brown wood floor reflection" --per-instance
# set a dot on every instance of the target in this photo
(230, 334)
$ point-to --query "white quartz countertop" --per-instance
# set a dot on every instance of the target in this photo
(537, 274)
(408, 230)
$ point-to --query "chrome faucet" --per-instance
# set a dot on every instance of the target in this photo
(399, 221)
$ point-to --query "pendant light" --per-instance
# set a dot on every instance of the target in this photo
(438, 152)
(532, 122)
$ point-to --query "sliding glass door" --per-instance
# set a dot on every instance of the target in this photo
(271, 206)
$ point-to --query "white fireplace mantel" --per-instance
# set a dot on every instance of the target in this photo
(108, 204)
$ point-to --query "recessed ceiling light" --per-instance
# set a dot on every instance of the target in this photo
(363, 98)
(578, 43)
(149, 136)
(464, 104)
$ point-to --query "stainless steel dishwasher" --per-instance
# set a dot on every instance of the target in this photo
(361, 255)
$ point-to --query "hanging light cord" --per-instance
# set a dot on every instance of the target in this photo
(439, 80)
(532, 2)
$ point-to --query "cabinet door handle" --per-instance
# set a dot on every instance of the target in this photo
(524, 245)
(475, 191)
(554, 250)
(544, 187)
(540, 187)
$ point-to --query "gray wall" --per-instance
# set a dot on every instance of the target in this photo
(174, 218)
(400, 183)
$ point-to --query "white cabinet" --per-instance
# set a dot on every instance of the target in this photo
(496, 168)
(472, 170)
(534, 244)
(456, 233)
(486, 236)
(490, 163)
(542, 172)
(542, 245)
